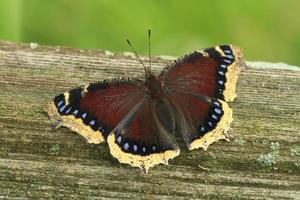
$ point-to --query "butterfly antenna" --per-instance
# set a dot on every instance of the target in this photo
(136, 55)
(149, 37)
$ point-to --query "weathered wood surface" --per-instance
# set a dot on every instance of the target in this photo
(36, 162)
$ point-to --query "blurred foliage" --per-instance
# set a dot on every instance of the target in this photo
(266, 29)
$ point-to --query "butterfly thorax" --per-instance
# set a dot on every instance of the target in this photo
(154, 86)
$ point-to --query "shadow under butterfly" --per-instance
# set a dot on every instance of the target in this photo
(139, 118)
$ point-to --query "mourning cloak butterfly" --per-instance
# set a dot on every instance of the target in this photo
(139, 119)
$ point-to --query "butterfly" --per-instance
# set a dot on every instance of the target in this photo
(140, 118)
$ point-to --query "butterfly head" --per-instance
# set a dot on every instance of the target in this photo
(154, 86)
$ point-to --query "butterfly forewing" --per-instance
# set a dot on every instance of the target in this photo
(212, 72)
(94, 110)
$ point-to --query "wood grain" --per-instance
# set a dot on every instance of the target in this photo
(36, 162)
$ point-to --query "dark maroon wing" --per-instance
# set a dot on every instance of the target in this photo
(143, 138)
(198, 86)
(211, 72)
(94, 110)
(199, 119)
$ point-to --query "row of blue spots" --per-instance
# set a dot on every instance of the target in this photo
(134, 148)
(227, 59)
(213, 119)
(66, 109)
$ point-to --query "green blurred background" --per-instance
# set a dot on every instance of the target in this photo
(267, 30)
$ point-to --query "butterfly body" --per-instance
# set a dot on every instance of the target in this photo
(140, 119)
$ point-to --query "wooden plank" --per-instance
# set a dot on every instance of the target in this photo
(36, 162)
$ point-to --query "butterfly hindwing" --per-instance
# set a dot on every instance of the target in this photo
(142, 139)
(200, 120)
(94, 110)
(214, 126)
